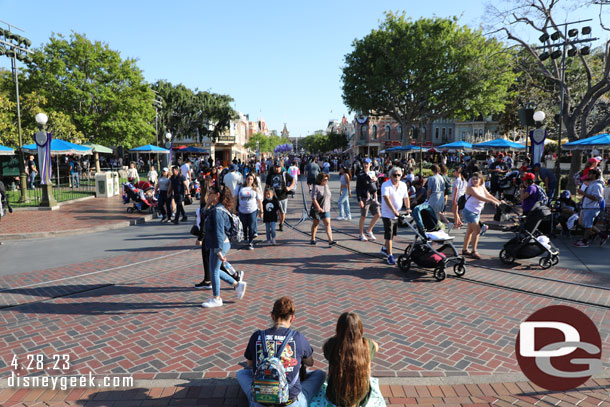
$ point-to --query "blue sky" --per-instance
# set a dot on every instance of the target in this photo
(278, 60)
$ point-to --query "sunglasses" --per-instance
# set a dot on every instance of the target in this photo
(397, 175)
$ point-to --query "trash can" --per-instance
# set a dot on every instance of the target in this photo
(116, 183)
(103, 185)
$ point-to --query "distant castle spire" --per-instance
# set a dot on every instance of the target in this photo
(285, 132)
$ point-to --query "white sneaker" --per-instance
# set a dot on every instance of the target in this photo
(241, 289)
(340, 218)
(349, 217)
(212, 303)
(363, 238)
(371, 236)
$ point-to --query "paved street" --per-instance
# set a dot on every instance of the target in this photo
(121, 302)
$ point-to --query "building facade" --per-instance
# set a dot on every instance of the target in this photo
(230, 144)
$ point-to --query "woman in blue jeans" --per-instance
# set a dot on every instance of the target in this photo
(297, 354)
(346, 192)
(250, 205)
(217, 224)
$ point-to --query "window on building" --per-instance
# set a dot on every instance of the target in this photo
(436, 134)
(388, 131)
(399, 131)
(374, 132)
(364, 131)
(444, 134)
(449, 133)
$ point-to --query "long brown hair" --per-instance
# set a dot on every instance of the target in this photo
(206, 183)
(349, 369)
(226, 196)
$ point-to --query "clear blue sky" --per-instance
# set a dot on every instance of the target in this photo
(280, 60)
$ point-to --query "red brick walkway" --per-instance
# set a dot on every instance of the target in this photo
(87, 215)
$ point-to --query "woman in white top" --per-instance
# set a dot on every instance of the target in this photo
(344, 210)
(459, 189)
(153, 175)
(476, 196)
(250, 205)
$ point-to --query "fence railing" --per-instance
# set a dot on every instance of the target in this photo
(66, 188)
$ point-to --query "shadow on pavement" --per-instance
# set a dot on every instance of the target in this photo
(94, 290)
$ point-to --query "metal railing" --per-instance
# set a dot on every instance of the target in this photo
(67, 188)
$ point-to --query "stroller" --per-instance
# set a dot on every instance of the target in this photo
(530, 242)
(141, 201)
(424, 223)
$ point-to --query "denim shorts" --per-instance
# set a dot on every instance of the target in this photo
(319, 215)
(588, 217)
(470, 217)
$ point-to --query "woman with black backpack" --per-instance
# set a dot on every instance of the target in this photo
(217, 225)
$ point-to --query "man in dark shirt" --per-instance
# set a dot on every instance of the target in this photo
(281, 182)
(497, 169)
(366, 193)
(178, 188)
(32, 171)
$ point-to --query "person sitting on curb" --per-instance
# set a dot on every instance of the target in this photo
(349, 356)
(297, 354)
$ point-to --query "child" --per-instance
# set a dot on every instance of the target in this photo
(271, 208)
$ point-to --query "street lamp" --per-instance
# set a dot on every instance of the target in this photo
(539, 116)
(168, 145)
(44, 159)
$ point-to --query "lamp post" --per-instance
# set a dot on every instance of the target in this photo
(47, 199)
(16, 47)
(168, 145)
(560, 51)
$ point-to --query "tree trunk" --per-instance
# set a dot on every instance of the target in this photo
(574, 168)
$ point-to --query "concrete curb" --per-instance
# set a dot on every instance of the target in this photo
(54, 208)
(57, 233)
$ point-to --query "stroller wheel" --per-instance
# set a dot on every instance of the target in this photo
(404, 263)
(130, 210)
(554, 260)
(440, 274)
(506, 258)
(459, 270)
(546, 262)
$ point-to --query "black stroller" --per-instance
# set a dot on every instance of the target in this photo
(530, 242)
(424, 223)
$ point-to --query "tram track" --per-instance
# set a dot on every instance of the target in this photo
(556, 289)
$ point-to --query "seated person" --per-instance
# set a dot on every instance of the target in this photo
(349, 356)
(421, 194)
(297, 353)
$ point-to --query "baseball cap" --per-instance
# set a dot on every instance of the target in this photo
(367, 160)
(277, 164)
(566, 194)
(233, 167)
(598, 158)
(594, 160)
(165, 169)
(528, 176)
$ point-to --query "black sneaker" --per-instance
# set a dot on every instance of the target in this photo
(184, 219)
(239, 276)
(203, 285)
(176, 221)
(281, 229)
(312, 242)
(163, 219)
(332, 243)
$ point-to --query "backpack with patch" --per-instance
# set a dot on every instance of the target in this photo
(542, 196)
(77, 166)
(270, 384)
(236, 232)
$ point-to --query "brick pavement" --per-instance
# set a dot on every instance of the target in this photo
(79, 217)
(146, 321)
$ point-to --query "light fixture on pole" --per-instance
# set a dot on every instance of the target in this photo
(168, 145)
(539, 116)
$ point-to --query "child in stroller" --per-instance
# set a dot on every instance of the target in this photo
(529, 242)
(424, 223)
(142, 194)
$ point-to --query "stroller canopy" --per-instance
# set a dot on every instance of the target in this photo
(425, 218)
(538, 213)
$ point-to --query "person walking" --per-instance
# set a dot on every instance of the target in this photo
(436, 186)
(178, 189)
(281, 184)
(250, 205)
(366, 193)
(459, 189)
(320, 208)
(272, 211)
(164, 203)
(345, 180)
(349, 354)
(312, 169)
(233, 179)
(132, 172)
(32, 172)
(217, 224)
(476, 196)
(153, 176)
(592, 204)
(394, 194)
(296, 355)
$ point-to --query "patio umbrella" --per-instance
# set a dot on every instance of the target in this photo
(6, 151)
(149, 148)
(457, 145)
(499, 144)
(59, 147)
(409, 147)
(601, 140)
(97, 149)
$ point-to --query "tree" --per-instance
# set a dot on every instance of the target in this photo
(425, 70)
(587, 78)
(8, 129)
(322, 143)
(105, 96)
(266, 144)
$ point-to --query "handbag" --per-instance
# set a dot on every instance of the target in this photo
(195, 230)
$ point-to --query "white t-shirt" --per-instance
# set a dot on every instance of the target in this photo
(152, 176)
(294, 172)
(396, 196)
(231, 180)
(184, 170)
(248, 199)
(459, 188)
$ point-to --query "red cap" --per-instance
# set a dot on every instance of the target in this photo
(594, 160)
(528, 176)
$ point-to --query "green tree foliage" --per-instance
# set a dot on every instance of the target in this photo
(105, 96)
(8, 128)
(191, 113)
(425, 70)
(266, 144)
(322, 143)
